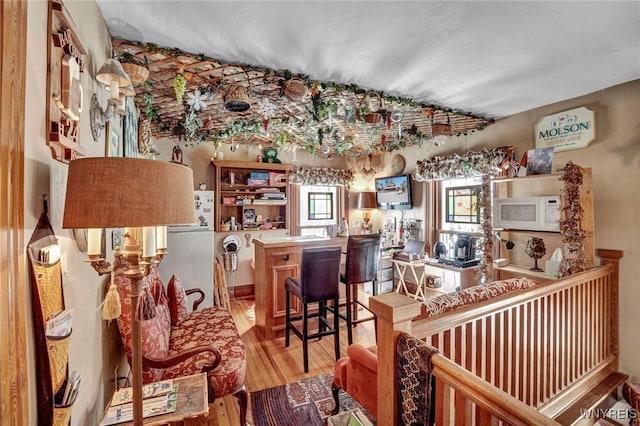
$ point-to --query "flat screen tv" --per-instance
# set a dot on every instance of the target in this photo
(394, 192)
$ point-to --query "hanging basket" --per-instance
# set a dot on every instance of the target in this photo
(236, 96)
(373, 117)
(441, 132)
(295, 89)
(137, 73)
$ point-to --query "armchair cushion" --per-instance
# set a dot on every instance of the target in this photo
(155, 332)
(356, 373)
(197, 329)
(177, 300)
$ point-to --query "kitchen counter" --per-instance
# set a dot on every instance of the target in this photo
(276, 259)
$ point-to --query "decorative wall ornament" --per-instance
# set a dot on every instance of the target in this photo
(65, 95)
(570, 227)
(473, 163)
(321, 176)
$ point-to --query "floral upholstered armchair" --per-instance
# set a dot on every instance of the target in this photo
(178, 343)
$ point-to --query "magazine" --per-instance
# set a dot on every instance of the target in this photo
(59, 325)
(153, 406)
(357, 418)
(151, 390)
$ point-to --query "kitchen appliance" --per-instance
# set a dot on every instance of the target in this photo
(528, 213)
(191, 249)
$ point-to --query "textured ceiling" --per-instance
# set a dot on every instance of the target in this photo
(491, 59)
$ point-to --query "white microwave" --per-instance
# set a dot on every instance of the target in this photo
(529, 213)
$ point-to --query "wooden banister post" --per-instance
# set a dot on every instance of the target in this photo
(395, 312)
(612, 257)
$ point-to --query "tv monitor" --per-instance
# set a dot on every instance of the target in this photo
(394, 192)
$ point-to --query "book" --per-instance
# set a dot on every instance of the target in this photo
(153, 406)
(59, 324)
(150, 390)
(357, 418)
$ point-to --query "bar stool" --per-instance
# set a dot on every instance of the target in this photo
(318, 282)
(363, 255)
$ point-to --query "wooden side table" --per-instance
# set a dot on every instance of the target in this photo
(192, 404)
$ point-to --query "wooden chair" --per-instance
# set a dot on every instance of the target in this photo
(220, 289)
(317, 283)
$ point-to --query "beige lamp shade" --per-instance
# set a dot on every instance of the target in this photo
(127, 91)
(367, 200)
(112, 70)
(117, 192)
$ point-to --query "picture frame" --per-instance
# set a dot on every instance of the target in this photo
(539, 161)
(130, 129)
(390, 225)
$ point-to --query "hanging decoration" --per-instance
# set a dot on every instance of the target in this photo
(485, 243)
(267, 110)
(197, 101)
(179, 84)
(331, 105)
(570, 227)
(473, 163)
(321, 176)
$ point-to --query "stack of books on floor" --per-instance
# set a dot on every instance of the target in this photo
(158, 398)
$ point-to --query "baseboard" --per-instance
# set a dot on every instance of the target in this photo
(241, 291)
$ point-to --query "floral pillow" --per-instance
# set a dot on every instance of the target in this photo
(177, 300)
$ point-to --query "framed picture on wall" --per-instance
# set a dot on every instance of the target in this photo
(130, 128)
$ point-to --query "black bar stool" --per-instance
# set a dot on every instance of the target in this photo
(363, 255)
(318, 282)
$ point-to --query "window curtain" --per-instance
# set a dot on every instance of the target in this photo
(294, 210)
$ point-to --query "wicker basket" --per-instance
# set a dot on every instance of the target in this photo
(236, 96)
(373, 117)
(58, 348)
(62, 415)
(295, 89)
(441, 129)
(137, 73)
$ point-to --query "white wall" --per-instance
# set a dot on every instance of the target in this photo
(94, 348)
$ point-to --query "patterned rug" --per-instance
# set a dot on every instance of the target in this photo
(306, 402)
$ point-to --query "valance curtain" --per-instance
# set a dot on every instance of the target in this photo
(473, 163)
(321, 176)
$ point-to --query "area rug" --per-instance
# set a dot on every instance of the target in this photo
(305, 402)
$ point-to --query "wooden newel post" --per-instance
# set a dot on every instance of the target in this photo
(612, 257)
(394, 312)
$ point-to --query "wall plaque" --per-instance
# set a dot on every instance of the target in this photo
(566, 130)
(64, 85)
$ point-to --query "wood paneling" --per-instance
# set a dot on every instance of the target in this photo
(13, 359)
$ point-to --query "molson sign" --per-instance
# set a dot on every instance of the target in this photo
(566, 130)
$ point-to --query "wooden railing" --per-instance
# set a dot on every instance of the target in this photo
(541, 346)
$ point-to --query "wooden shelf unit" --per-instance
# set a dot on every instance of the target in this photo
(234, 200)
(503, 187)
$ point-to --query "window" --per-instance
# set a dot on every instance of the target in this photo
(318, 209)
(459, 204)
(462, 204)
(320, 205)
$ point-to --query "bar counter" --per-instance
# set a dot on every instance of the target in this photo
(276, 259)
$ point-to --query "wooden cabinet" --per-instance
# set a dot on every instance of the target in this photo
(542, 185)
(251, 195)
(276, 259)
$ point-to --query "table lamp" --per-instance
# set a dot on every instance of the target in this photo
(366, 201)
(130, 193)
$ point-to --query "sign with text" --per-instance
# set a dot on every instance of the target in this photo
(566, 130)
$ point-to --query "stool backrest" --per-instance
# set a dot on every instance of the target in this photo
(363, 254)
(320, 273)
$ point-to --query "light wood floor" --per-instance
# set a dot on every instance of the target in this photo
(270, 363)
